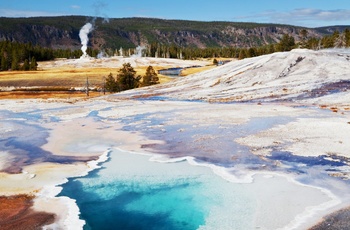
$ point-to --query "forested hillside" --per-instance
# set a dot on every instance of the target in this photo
(63, 32)
(23, 41)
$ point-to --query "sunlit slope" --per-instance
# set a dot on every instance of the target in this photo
(298, 76)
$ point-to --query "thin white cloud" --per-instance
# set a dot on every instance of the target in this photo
(321, 15)
(75, 7)
(302, 16)
(25, 14)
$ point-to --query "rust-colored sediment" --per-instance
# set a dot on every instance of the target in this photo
(47, 95)
(16, 214)
(336, 221)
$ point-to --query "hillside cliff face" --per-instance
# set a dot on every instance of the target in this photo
(43, 35)
(63, 32)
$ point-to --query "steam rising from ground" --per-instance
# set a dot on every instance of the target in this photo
(83, 34)
(88, 27)
(138, 51)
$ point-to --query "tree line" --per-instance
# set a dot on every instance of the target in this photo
(127, 79)
(17, 56)
(287, 43)
(24, 56)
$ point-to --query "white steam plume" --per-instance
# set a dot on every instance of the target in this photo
(138, 52)
(99, 7)
(83, 34)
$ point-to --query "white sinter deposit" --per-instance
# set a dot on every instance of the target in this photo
(300, 75)
(281, 140)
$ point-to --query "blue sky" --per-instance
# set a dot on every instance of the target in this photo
(309, 13)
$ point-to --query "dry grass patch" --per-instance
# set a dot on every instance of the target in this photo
(53, 77)
(189, 71)
(65, 77)
(63, 81)
(48, 95)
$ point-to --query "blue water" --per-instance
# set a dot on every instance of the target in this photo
(130, 192)
(156, 206)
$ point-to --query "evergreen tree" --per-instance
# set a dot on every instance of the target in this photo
(287, 43)
(312, 43)
(14, 61)
(26, 65)
(303, 36)
(347, 37)
(127, 78)
(340, 41)
(335, 34)
(4, 63)
(242, 54)
(327, 42)
(111, 85)
(251, 52)
(271, 49)
(33, 64)
(150, 78)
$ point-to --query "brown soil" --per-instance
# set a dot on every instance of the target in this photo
(336, 221)
(16, 214)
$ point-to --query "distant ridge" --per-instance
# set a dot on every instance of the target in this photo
(63, 32)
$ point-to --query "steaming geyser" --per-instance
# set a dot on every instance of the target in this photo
(138, 52)
(83, 34)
